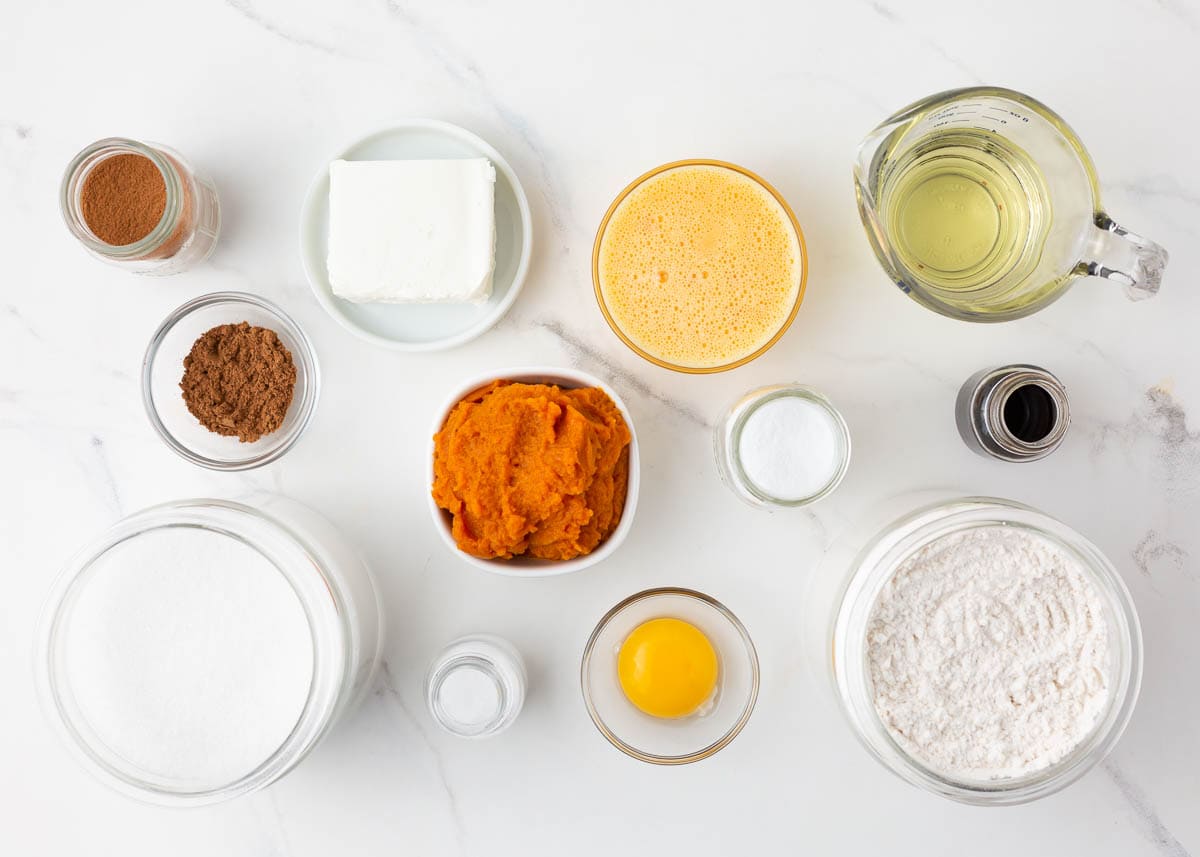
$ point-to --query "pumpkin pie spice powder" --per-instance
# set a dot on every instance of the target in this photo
(238, 381)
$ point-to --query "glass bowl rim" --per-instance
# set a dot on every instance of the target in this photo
(307, 359)
(323, 619)
(158, 155)
(715, 746)
(869, 572)
(603, 227)
(750, 402)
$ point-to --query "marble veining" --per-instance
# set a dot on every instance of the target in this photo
(1181, 10)
(247, 10)
(102, 471)
(467, 72)
(1159, 185)
(21, 132)
(1162, 419)
(1155, 554)
(594, 358)
(14, 312)
(1151, 825)
(893, 18)
(271, 825)
(386, 689)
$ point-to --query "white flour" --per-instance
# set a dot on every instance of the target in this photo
(988, 654)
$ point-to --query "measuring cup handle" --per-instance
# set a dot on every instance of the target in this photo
(1117, 254)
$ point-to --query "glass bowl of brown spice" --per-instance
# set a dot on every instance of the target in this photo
(229, 381)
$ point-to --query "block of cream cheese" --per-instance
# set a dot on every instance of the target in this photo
(412, 231)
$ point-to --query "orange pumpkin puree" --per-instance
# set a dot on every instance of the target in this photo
(532, 469)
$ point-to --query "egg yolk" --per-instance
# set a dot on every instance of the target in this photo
(667, 668)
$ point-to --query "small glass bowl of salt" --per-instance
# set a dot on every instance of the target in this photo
(782, 446)
(476, 686)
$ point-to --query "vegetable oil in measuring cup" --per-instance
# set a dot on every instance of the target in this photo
(983, 205)
(968, 212)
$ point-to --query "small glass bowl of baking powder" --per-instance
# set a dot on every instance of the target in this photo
(921, 534)
(162, 371)
(782, 446)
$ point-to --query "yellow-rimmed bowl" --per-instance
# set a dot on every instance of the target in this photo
(607, 312)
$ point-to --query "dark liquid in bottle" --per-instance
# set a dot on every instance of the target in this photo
(1030, 413)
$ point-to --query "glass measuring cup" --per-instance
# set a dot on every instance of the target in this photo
(982, 204)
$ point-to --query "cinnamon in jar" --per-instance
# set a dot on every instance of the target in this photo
(140, 206)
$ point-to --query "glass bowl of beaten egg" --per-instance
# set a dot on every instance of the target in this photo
(699, 266)
(669, 676)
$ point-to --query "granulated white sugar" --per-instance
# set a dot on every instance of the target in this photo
(988, 654)
(189, 655)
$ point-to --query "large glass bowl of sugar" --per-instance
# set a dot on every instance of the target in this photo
(199, 650)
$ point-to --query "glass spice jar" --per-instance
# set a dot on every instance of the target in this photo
(185, 234)
(476, 686)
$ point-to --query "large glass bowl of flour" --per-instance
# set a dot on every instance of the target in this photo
(985, 651)
(198, 650)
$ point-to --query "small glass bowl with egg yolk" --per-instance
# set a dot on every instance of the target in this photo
(669, 676)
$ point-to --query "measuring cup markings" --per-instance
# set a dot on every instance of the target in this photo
(1023, 185)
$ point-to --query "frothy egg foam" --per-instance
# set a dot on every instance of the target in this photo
(700, 266)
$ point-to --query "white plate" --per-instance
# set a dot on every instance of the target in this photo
(421, 327)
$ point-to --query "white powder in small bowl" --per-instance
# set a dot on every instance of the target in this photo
(189, 655)
(470, 697)
(790, 448)
(988, 654)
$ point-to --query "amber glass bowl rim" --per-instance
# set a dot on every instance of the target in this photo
(699, 162)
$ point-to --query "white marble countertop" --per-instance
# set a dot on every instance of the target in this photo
(581, 98)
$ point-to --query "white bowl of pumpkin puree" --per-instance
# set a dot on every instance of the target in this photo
(699, 266)
(533, 471)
